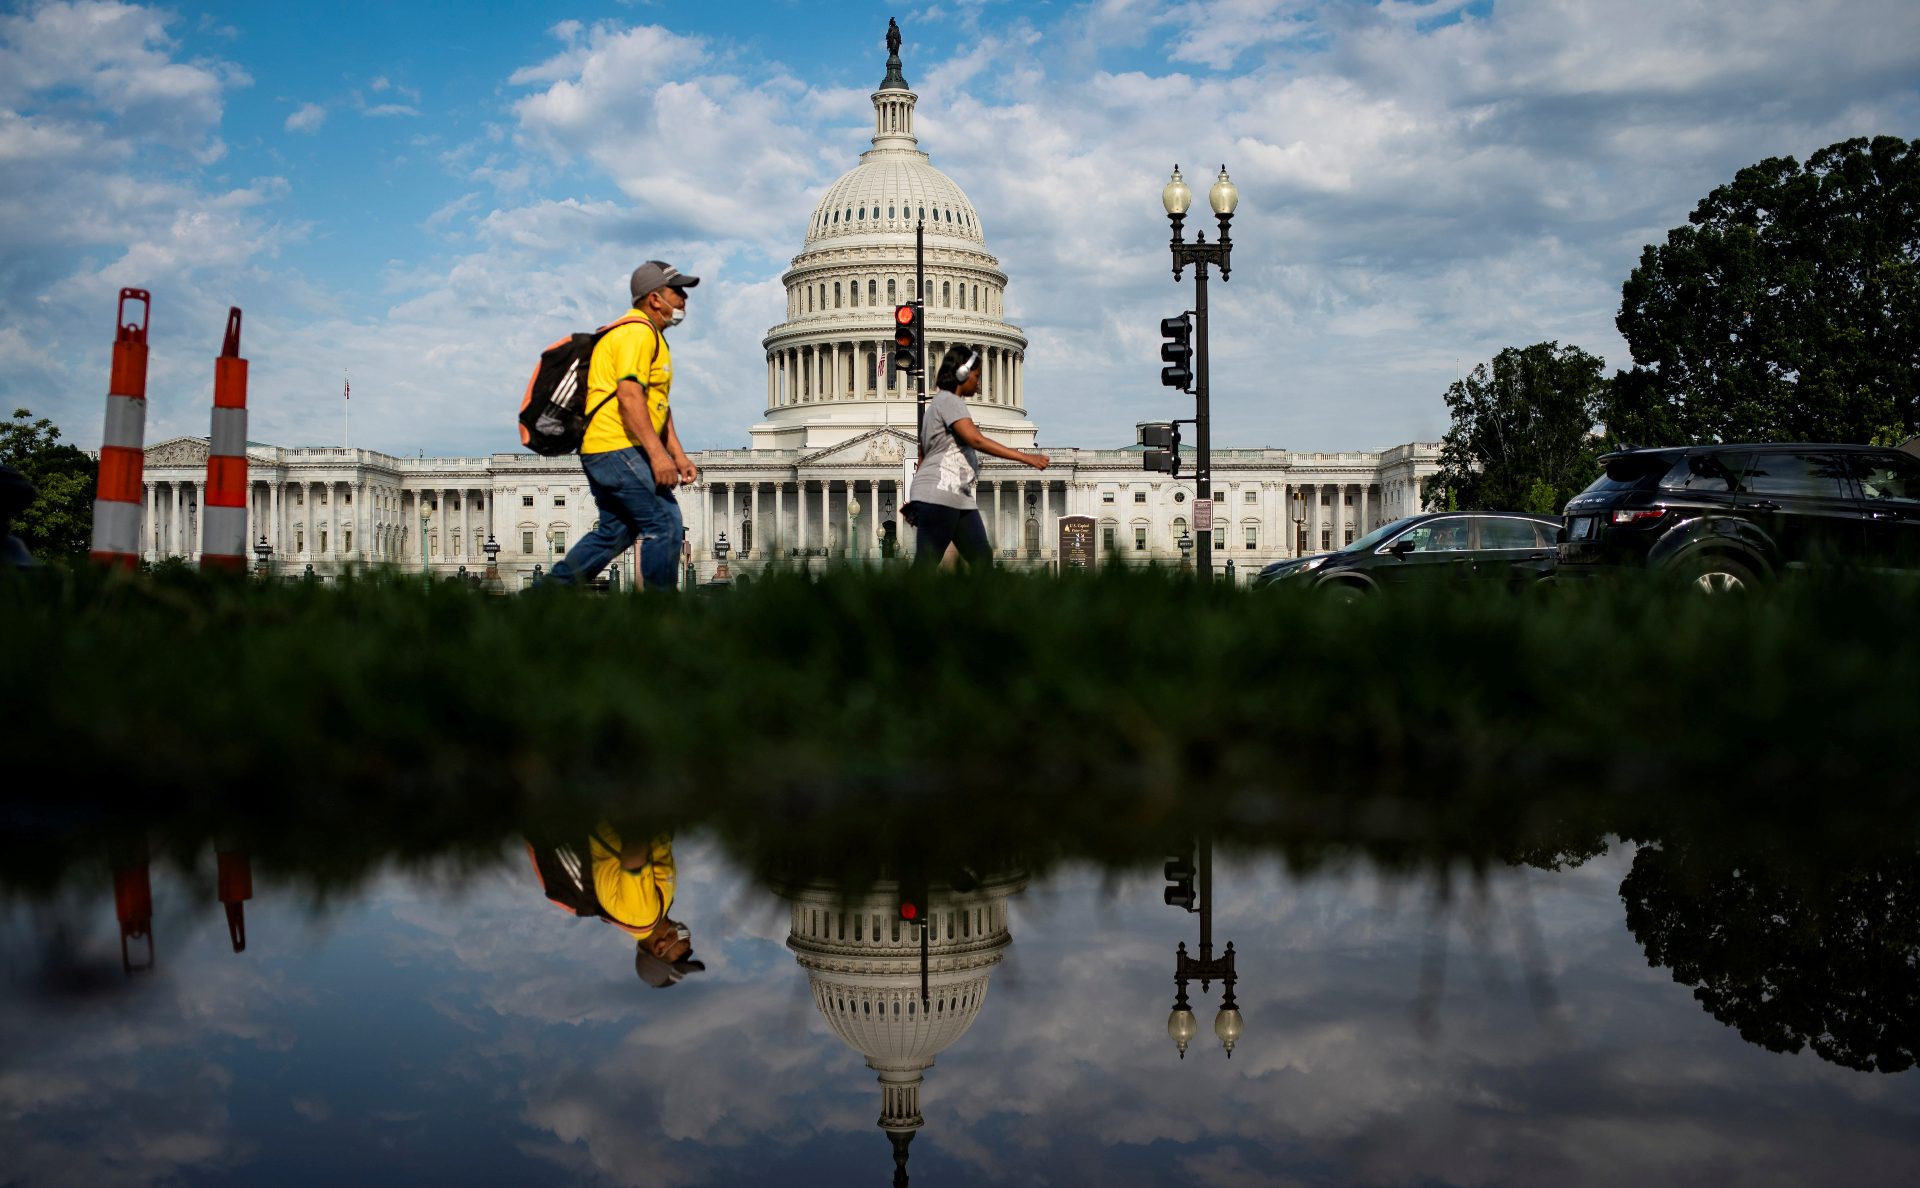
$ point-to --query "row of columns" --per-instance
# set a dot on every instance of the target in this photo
(861, 370)
(364, 521)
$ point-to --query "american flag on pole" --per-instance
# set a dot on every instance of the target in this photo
(349, 383)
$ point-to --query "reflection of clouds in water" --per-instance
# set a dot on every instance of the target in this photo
(1067, 1075)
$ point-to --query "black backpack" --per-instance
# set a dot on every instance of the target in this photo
(551, 420)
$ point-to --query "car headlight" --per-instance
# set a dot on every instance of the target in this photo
(1313, 563)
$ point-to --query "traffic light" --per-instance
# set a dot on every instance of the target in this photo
(908, 328)
(1163, 448)
(1178, 350)
(1180, 875)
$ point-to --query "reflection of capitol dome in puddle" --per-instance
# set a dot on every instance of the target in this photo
(863, 965)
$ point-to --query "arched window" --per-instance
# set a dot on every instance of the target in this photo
(809, 298)
(863, 212)
(890, 297)
(823, 298)
(836, 294)
(873, 292)
(976, 299)
(946, 293)
(889, 212)
(836, 216)
(849, 214)
(923, 212)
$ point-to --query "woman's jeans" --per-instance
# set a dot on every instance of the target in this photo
(936, 524)
(632, 506)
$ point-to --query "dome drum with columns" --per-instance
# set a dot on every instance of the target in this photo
(829, 378)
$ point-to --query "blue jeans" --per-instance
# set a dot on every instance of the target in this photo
(632, 506)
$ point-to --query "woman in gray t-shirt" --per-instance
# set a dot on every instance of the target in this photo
(942, 510)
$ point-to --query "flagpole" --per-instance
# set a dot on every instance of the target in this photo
(346, 396)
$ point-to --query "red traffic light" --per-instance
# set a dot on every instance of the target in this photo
(903, 314)
(908, 911)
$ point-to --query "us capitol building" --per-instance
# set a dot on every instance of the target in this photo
(820, 478)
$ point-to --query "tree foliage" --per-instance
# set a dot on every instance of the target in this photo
(59, 522)
(1787, 309)
(1522, 436)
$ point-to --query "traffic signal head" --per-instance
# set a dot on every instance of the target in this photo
(913, 896)
(1180, 874)
(907, 328)
(1163, 448)
(1178, 351)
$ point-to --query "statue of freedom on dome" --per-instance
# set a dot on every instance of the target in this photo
(893, 37)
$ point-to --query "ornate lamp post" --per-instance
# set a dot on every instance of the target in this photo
(426, 541)
(1177, 198)
(1186, 550)
(1181, 1025)
(263, 557)
(492, 581)
(720, 550)
(1299, 524)
(853, 517)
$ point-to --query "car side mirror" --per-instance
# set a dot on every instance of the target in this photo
(1401, 548)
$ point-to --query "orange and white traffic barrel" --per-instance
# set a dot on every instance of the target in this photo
(116, 505)
(225, 513)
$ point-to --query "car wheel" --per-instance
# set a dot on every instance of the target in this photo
(1719, 575)
(1345, 592)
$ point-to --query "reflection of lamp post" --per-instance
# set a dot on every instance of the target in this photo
(550, 532)
(263, 557)
(426, 542)
(853, 517)
(720, 550)
(1300, 524)
(1181, 1025)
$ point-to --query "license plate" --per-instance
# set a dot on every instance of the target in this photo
(1581, 528)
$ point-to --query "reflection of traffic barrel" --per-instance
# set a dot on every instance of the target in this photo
(225, 526)
(133, 904)
(234, 883)
(116, 505)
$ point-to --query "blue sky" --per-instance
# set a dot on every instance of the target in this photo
(429, 193)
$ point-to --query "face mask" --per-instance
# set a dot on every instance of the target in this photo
(679, 316)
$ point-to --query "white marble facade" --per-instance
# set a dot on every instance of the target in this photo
(331, 508)
(837, 425)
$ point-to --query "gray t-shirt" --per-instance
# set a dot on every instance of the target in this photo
(949, 470)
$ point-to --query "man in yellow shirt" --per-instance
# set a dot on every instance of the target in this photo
(631, 452)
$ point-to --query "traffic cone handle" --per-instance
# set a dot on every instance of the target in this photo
(125, 331)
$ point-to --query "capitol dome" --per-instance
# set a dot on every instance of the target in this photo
(829, 374)
(864, 968)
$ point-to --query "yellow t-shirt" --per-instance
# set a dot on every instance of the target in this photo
(632, 899)
(635, 351)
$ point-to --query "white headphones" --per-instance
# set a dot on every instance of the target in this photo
(965, 369)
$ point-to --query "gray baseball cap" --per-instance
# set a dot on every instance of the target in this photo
(661, 974)
(658, 274)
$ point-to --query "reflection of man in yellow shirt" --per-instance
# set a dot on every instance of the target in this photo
(629, 884)
(631, 452)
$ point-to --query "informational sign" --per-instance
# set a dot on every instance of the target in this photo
(1076, 542)
(1203, 516)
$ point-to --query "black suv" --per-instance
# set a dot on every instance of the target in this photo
(1442, 546)
(1726, 516)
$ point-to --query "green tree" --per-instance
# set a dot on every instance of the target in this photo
(1522, 435)
(59, 522)
(1787, 309)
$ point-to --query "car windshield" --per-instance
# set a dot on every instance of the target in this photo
(1632, 472)
(1379, 534)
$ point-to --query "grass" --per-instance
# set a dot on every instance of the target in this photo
(862, 719)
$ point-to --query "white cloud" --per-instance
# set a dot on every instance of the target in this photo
(390, 109)
(307, 118)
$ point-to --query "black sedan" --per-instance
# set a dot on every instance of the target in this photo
(1505, 547)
